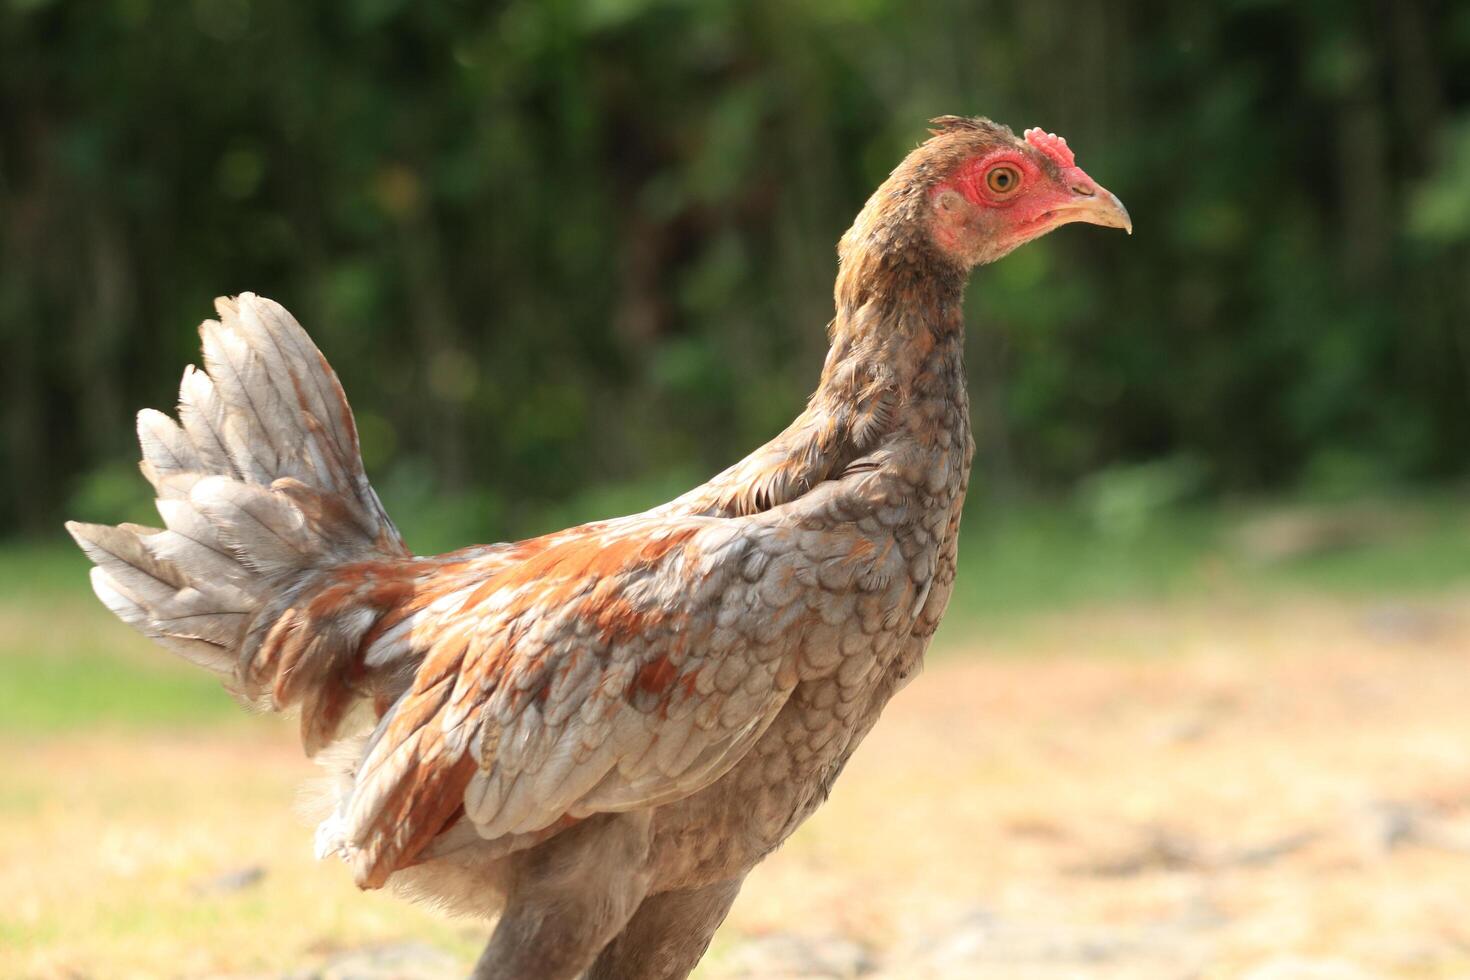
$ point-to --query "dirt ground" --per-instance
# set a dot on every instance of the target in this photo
(1227, 789)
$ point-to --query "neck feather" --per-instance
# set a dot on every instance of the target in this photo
(898, 302)
(897, 345)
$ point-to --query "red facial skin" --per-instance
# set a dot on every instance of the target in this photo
(977, 224)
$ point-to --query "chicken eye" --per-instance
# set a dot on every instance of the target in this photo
(1003, 179)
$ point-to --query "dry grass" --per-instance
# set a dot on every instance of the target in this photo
(1220, 789)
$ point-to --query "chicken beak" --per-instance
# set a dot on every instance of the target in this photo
(1096, 205)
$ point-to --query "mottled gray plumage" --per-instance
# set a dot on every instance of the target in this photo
(595, 734)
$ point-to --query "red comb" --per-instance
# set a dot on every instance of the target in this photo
(1052, 145)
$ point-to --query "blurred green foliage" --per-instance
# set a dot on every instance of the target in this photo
(559, 244)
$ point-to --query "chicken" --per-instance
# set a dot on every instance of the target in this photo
(596, 734)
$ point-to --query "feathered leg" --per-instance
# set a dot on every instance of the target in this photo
(567, 898)
(667, 935)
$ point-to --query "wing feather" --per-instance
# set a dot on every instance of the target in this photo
(624, 666)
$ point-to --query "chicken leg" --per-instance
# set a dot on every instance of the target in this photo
(568, 898)
(667, 935)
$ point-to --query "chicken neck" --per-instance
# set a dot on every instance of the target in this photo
(895, 371)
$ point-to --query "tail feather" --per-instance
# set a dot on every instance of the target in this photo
(193, 541)
(260, 487)
(202, 416)
(167, 449)
(154, 596)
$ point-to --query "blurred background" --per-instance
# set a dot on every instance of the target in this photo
(570, 257)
